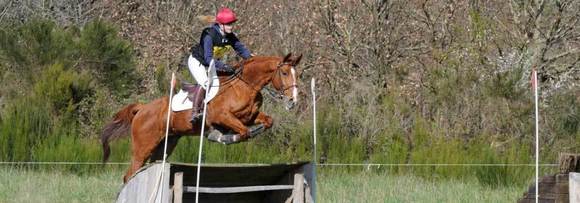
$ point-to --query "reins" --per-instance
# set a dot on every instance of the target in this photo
(276, 94)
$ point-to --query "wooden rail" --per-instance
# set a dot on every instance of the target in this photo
(220, 190)
(557, 188)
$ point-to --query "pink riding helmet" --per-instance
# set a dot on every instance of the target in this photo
(225, 16)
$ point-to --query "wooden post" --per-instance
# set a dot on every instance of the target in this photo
(308, 197)
(574, 190)
(178, 187)
(298, 192)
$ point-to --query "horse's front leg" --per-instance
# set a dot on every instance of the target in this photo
(264, 119)
(228, 120)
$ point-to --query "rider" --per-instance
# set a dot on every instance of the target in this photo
(215, 41)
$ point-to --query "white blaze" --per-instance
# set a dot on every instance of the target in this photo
(294, 89)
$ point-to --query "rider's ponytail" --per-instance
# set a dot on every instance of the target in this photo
(206, 19)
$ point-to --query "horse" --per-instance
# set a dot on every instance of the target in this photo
(235, 107)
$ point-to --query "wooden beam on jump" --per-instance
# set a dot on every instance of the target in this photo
(222, 183)
(223, 190)
(574, 189)
(298, 192)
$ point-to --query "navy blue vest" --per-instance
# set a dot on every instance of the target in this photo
(221, 44)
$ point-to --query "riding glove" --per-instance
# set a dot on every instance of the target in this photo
(227, 69)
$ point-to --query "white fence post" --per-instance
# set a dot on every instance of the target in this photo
(574, 187)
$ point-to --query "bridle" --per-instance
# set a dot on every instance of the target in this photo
(275, 94)
(279, 94)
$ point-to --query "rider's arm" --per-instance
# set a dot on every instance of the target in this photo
(207, 49)
(241, 48)
(208, 55)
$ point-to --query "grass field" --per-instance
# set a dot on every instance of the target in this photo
(365, 187)
(47, 185)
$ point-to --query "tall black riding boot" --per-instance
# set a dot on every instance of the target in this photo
(197, 111)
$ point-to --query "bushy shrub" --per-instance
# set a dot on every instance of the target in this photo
(109, 57)
(53, 76)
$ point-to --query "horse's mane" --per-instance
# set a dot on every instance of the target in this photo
(244, 63)
(254, 59)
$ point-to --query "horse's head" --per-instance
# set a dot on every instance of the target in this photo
(284, 79)
(260, 71)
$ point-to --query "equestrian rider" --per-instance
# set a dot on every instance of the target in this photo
(215, 41)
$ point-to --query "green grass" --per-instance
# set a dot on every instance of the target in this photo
(369, 187)
(44, 184)
(48, 185)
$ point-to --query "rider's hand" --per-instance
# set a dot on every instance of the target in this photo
(227, 69)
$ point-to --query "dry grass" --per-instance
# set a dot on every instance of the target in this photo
(20, 185)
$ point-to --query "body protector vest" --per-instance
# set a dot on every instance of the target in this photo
(221, 45)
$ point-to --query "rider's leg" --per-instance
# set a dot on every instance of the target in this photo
(200, 75)
(198, 71)
(198, 97)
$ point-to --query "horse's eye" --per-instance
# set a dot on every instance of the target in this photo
(284, 74)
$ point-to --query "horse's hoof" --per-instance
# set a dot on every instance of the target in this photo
(256, 129)
(214, 135)
(219, 137)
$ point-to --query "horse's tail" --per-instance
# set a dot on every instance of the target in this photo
(206, 19)
(117, 128)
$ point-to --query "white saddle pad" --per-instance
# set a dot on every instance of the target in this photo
(180, 102)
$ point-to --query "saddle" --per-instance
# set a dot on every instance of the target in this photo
(187, 97)
(190, 89)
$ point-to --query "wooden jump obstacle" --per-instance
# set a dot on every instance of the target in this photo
(562, 187)
(221, 183)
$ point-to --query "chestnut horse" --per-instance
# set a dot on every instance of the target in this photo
(235, 106)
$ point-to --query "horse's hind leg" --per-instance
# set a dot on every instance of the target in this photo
(171, 144)
(141, 151)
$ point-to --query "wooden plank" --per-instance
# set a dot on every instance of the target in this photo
(563, 198)
(562, 178)
(574, 189)
(258, 188)
(298, 192)
(235, 175)
(307, 192)
(559, 188)
(178, 187)
(170, 196)
(141, 187)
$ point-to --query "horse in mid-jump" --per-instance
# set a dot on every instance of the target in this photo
(235, 107)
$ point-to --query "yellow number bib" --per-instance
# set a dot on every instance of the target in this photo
(219, 52)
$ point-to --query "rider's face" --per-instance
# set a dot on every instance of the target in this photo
(227, 28)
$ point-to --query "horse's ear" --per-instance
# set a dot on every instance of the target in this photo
(287, 57)
(297, 60)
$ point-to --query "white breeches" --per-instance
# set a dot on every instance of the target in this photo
(202, 76)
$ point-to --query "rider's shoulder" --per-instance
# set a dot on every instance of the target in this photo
(209, 29)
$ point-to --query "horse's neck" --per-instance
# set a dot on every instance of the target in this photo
(257, 77)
